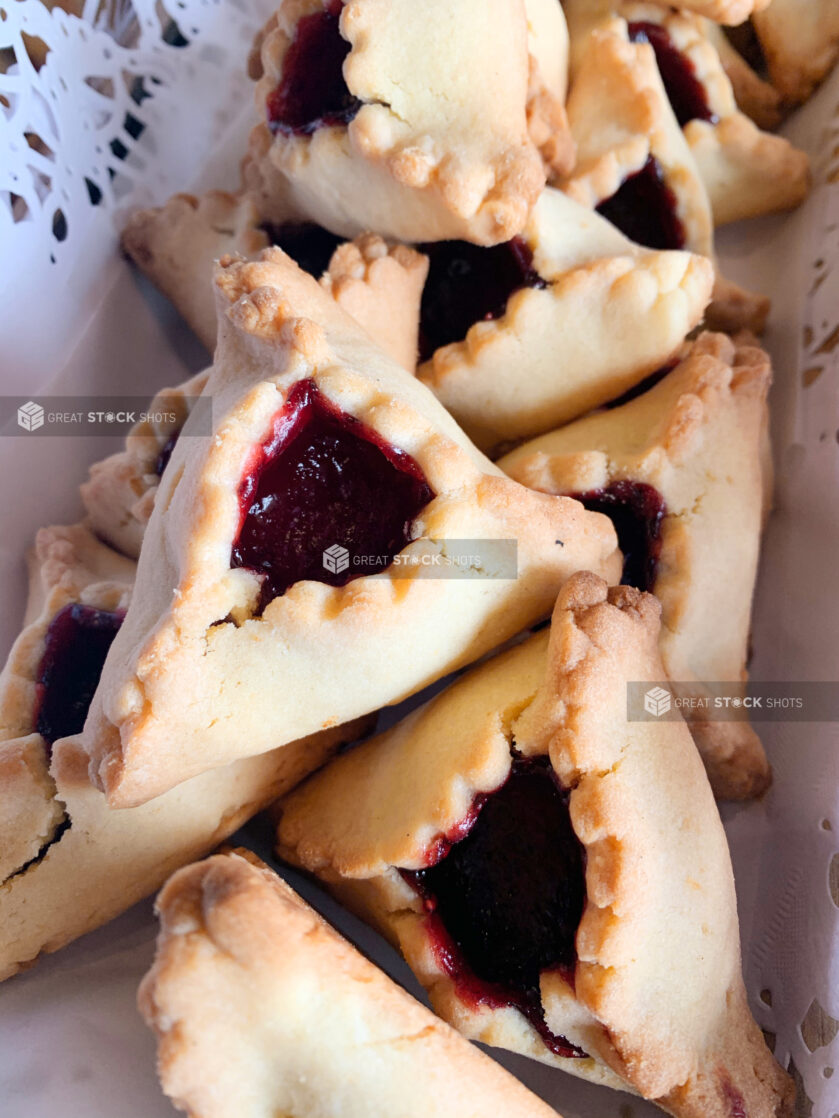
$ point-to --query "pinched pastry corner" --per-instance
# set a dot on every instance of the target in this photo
(699, 439)
(234, 934)
(177, 244)
(216, 625)
(380, 286)
(429, 139)
(648, 994)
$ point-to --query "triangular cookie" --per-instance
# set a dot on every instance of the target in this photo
(746, 172)
(556, 875)
(267, 591)
(233, 934)
(379, 114)
(634, 164)
(69, 863)
(686, 469)
(534, 332)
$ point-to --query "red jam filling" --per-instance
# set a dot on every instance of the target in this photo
(312, 93)
(323, 478)
(685, 92)
(644, 209)
(636, 510)
(468, 284)
(77, 642)
(309, 245)
(504, 895)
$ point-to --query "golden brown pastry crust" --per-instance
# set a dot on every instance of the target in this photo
(234, 934)
(800, 40)
(657, 998)
(119, 493)
(699, 438)
(194, 629)
(611, 313)
(754, 96)
(440, 147)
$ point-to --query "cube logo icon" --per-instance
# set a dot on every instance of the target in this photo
(30, 416)
(336, 559)
(657, 701)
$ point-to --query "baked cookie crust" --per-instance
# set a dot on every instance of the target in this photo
(196, 629)
(700, 439)
(610, 313)
(439, 148)
(655, 998)
(234, 934)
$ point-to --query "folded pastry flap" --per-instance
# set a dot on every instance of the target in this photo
(236, 937)
(388, 801)
(657, 945)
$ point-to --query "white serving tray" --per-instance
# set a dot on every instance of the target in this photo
(71, 1041)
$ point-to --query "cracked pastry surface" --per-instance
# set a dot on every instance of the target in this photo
(591, 314)
(68, 863)
(224, 617)
(414, 121)
(698, 439)
(234, 934)
(651, 995)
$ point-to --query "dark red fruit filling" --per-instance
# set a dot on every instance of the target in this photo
(636, 510)
(468, 284)
(323, 478)
(684, 91)
(504, 901)
(644, 208)
(165, 454)
(312, 93)
(309, 245)
(77, 643)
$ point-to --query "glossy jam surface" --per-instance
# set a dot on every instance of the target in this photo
(685, 92)
(309, 245)
(505, 900)
(322, 479)
(77, 642)
(468, 284)
(636, 510)
(312, 93)
(644, 209)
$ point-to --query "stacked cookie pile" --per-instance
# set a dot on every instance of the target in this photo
(474, 367)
